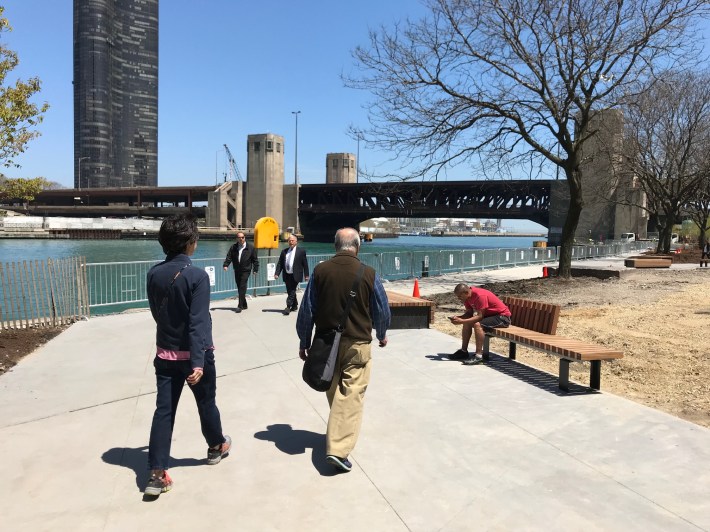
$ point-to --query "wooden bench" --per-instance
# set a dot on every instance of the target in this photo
(648, 262)
(410, 312)
(534, 324)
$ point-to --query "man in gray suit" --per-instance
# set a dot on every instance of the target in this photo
(294, 265)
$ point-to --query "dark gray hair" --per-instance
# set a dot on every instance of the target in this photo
(461, 288)
(347, 239)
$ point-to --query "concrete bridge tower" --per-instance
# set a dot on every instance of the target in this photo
(264, 190)
(340, 168)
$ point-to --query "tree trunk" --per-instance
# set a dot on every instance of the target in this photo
(570, 226)
(703, 230)
(665, 227)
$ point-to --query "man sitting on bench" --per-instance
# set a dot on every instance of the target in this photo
(483, 311)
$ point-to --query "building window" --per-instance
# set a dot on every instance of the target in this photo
(345, 163)
(335, 163)
(257, 146)
(278, 147)
(269, 145)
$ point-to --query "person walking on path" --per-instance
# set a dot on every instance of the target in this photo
(244, 259)
(705, 254)
(179, 299)
(294, 265)
(323, 304)
(483, 310)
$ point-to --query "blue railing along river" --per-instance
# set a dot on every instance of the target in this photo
(115, 286)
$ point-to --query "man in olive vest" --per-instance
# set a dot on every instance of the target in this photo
(323, 304)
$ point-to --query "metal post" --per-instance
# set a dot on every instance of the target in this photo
(295, 170)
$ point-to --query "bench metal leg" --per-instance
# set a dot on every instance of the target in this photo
(595, 374)
(511, 350)
(564, 374)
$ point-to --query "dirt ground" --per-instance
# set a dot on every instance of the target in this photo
(15, 344)
(659, 318)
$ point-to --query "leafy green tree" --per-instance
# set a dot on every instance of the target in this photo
(18, 116)
(25, 189)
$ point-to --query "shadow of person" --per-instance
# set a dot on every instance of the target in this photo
(232, 309)
(136, 459)
(293, 442)
(441, 357)
(277, 311)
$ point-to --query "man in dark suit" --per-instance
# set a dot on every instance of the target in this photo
(243, 257)
(294, 265)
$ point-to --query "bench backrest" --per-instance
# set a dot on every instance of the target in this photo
(533, 315)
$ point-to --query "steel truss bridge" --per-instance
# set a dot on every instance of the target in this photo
(325, 208)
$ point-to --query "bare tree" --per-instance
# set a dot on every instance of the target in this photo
(667, 129)
(502, 82)
(698, 207)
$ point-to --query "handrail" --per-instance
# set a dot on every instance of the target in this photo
(121, 285)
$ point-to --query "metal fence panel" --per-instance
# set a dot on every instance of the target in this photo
(123, 283)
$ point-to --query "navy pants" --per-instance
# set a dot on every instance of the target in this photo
(291, 286)
(170, 377)
(242, 281)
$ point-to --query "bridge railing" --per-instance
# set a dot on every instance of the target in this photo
(116, 286)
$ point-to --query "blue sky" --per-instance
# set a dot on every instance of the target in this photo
(226, 69)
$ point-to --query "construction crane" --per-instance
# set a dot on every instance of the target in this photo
(233, 170)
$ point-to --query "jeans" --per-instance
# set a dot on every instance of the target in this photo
(170, 377)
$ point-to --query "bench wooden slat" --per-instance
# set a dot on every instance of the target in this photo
(534, 324)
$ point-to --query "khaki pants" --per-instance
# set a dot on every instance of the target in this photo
(346, 397)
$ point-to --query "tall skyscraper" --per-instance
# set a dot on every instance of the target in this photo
(115, 93)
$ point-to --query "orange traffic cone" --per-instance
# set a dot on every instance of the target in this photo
(416, 288)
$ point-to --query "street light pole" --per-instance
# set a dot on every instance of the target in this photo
(81, 159)
(357, 161)
(216, 164)
(295, 169)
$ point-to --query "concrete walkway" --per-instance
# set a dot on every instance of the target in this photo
(443, 446)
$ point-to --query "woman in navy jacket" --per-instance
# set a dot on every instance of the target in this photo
(179, 298)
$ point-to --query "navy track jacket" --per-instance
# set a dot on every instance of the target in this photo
(184, 322)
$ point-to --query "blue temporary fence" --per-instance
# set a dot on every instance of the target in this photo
(115, 286)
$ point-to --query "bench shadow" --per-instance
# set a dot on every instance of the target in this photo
(290, 441)
(136, 459)
(533, 376)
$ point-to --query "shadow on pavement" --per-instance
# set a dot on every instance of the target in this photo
(290, 441)
(137, 460)
(538, 378)
(233, 309)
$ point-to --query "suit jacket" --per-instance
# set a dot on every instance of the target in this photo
(300, 264)
(248, 263)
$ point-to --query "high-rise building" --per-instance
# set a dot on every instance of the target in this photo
(115, 93)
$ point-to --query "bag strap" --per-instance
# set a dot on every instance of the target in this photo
(351, 298)
(165, 298)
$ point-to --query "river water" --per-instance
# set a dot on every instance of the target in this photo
(12, 250)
